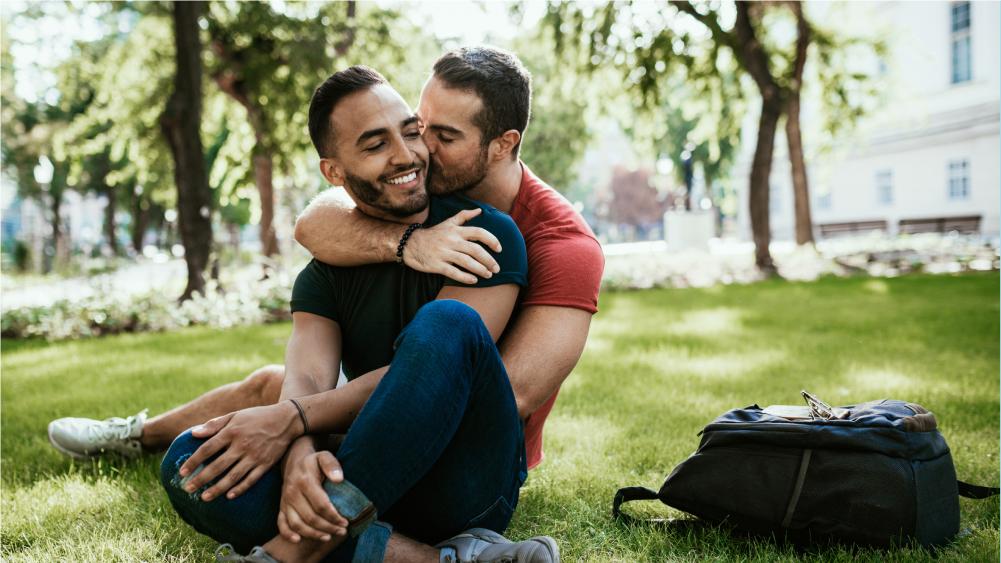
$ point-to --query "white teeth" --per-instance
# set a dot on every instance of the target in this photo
(404, 179)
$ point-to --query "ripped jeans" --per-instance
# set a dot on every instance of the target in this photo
(438, 447)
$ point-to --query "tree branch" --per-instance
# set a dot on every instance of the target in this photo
(803, 38)
(710, 21)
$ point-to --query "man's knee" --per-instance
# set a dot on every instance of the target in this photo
(448, 317)
(170, 477)
(265, 384)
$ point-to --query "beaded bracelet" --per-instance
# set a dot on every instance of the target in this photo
(403, 241)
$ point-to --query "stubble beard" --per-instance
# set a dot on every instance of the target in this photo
(440, 183)
(372, 195)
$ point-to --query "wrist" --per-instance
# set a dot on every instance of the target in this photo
(294, 418)
(300, 448)
(402, 246)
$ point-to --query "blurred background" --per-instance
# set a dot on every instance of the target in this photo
(704, 142)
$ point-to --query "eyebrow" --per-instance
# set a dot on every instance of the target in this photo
(445, 128)
(382, 130)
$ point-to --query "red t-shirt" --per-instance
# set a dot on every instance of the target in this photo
(565, 263)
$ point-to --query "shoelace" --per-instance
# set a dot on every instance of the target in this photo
(113, 429)
(225, 552)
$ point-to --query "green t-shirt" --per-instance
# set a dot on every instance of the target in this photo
(372, 303)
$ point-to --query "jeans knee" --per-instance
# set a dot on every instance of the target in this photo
(170, 477)
(448, 317)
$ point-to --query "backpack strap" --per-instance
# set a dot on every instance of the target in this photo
(974, 491)
(628, 494)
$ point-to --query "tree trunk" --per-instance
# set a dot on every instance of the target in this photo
(180, 123)
(800, 186)
(761, 168)
(263, 176)
(140, 221)
(55, 202)
(109, 220)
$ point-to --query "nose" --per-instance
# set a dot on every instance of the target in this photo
(401, 152)
(429, 141)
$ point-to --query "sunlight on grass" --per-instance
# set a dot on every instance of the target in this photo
(578, 443)
(885, 384)
(672, 363)
(876, 286)
(718, 323)
(64, 496)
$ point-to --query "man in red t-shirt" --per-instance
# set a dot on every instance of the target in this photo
(544, 340)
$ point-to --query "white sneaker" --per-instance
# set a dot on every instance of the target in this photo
(84, 438)
(479, 545)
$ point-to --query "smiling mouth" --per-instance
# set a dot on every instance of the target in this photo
(405, 179)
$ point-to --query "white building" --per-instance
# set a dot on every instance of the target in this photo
(928, 158)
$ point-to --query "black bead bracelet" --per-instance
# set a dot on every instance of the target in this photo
(403, 241)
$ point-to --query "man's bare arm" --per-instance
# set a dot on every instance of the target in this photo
(335, 232)
(252, 440)
(540, 350)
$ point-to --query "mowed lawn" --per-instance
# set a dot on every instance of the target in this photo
(659, 365)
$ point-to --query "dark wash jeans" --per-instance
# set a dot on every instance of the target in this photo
(438, 447)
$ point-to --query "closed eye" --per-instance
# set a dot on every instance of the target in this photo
(375, 147)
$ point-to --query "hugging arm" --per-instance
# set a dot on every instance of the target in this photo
(335, 232)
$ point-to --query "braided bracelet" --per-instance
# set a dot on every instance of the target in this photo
(302, 415)
(403, 241)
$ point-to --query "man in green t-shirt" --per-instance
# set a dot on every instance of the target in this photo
(438, 447)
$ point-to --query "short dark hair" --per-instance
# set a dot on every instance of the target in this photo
(503, 84)
(328, 95)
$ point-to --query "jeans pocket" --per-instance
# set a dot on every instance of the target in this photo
(495, 518)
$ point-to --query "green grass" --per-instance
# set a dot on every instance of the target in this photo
(658, 366)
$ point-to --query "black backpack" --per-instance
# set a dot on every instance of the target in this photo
(871, 474)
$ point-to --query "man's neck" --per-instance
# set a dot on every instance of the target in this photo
(418, 217)
(500, 187)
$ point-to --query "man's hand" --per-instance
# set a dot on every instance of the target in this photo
(305, 510)
(451, 250)
(251, 441)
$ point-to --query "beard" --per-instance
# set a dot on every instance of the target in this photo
(442, 183)
(373, 194)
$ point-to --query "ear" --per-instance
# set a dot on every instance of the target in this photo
(502, 147)
(332, 170)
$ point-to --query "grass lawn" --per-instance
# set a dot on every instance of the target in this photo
(658, 366)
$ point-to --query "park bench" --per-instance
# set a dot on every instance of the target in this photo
(962, 224)
(828, 230)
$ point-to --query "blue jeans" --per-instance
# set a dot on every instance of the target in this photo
(438, 448)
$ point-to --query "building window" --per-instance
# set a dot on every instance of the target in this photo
(962, 67)
(959, 179)
(884, 187)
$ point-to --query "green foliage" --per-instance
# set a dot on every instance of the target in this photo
(659, 365)
(558, 131)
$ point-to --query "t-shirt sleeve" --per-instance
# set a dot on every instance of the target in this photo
(313, 292)
(565, 271)
(512, 259)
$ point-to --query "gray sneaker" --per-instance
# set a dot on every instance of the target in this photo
(226, 554)
(479, 545)
(84, 438)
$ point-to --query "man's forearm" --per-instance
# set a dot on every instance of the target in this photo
(333, 411)
(336, 233)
